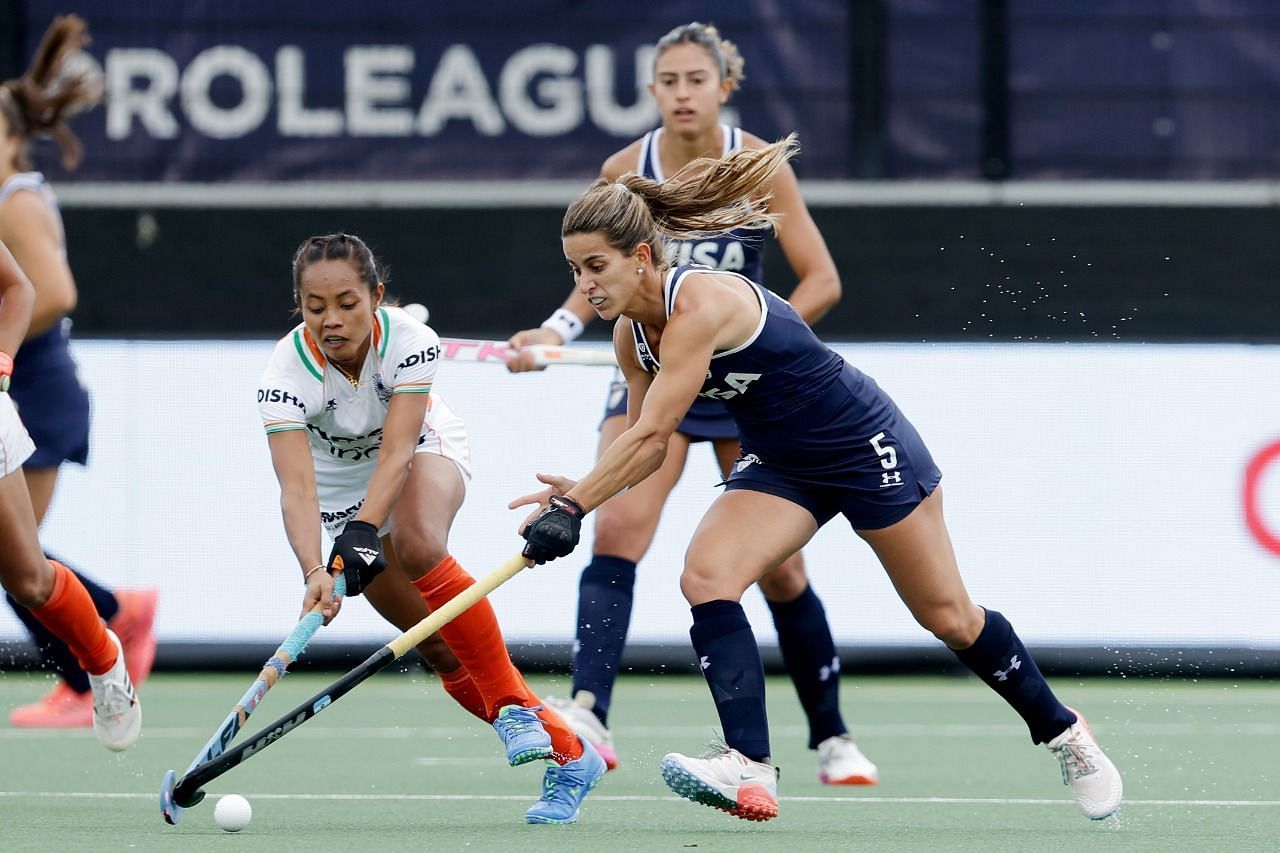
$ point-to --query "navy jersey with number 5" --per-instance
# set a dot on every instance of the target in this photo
(814, 429)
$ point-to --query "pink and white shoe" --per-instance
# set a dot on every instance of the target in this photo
(585, 724)
(1092, 777)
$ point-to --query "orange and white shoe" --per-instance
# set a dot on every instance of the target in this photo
(60, 708)
(724, 779)
(840, 762)
(133, 625)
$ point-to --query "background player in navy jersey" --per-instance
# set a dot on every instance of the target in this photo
(52, 403)
(695, 72)
(820, 439)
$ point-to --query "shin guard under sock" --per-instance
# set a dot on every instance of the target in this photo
(604, 612)
(809, 653)
(730, 662)
(999, 658)
(474, 637)
(458, 684)
(69, 615)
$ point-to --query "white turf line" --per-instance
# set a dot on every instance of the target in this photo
(1113, 726)
(598, 798)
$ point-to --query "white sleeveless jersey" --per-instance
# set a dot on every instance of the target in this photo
(300, 390)
(16, 445)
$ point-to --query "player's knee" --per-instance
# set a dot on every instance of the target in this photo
(419, 552)
(785, 583)
(32, 589)
(700, 583)
(958, 625)
(621, 534)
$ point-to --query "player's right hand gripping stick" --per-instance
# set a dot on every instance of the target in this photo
(555, 531)
(357, 553)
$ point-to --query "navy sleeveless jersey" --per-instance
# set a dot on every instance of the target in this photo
(52, 403)
(800, 407)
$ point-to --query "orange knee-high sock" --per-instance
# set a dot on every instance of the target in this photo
(565, 744)
(459, 685)
(476, 641)
(475, 638)
(70, 615)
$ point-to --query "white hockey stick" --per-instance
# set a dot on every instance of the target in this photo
(497, 352)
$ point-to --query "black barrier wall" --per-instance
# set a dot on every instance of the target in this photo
(911, 273)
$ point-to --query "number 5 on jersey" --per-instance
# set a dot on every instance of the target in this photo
(888, 461)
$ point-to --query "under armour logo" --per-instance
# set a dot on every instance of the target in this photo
(331, 406)
(1003, 674)
(704, 662)
(826, 672)
(890, 479)
(746, 461)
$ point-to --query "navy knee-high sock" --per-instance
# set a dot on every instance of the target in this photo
(604, 612)
(809, 653)
(999, 658)
(52, 650)
(730, 661)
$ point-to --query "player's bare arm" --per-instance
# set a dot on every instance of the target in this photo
(300, 509)
(29, 229)
(688, 342)
(400, 435)
(16, 296)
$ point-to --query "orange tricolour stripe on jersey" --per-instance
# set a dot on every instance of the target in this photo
(412, 388)
(283, 426)
(313, 346)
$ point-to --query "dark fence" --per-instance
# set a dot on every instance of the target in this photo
(911, 273)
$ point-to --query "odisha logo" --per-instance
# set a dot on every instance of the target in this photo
(1254, 476)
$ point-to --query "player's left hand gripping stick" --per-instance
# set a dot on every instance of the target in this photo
(272, 671)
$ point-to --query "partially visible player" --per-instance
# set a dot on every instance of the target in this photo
(44, 587)
(695, 72)
(53, 404)
(820, 439)
(362, 446)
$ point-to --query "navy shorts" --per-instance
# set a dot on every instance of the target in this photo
(857, 485)
(54, 407)
(706, 420)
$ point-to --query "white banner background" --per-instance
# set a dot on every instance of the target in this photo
(1094, 494)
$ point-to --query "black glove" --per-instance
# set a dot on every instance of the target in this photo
(357, 553)
(555, 531)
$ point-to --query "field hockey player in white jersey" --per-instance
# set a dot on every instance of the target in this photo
(362, 446)
(695, 72)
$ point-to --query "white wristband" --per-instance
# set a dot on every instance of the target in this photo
(564, 323)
